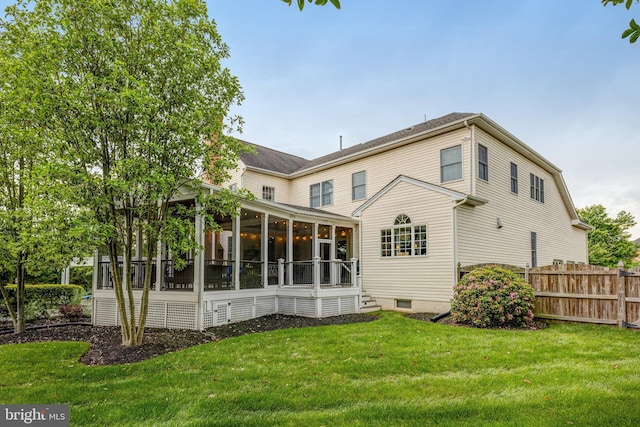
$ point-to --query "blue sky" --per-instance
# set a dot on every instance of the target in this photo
(555, 73)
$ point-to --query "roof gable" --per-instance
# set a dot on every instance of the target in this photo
(455, 195)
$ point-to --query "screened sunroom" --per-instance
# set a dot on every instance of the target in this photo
(271, 258)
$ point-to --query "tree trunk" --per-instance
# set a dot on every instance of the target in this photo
(20, 324)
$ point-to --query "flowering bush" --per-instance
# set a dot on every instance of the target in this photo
(70, 312)
(492, 297)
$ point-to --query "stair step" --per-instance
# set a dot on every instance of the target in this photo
(370, 309)
(368, 303)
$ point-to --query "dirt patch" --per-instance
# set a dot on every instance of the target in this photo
(106, 342)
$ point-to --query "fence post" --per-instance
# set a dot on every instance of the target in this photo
(526, 273)
(622, 305)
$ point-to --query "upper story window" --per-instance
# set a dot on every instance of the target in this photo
(451, 163)
(268, 193)
(404, 239)
(514, 178)
(359, 185)
(321, 194)
(537, 188)
(483, 162)
(327, 193)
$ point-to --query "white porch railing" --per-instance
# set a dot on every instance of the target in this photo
(219, 274)
(317, 273)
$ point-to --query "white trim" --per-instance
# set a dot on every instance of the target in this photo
(455, 195)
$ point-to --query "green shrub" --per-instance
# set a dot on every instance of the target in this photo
(35, 310)
(42, 297)
(492, 297)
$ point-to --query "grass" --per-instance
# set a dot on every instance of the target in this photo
(394, 371)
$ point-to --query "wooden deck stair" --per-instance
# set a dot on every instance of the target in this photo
(368, 304)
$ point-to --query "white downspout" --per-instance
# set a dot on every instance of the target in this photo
(471, 175)
(360, 258)
(455, 238)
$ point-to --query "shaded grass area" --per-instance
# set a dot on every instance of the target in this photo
(393, 371)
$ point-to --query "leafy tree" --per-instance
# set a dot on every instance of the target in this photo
(633, 32)
(136, 101)
(39, 232)
(301, 3)
(609, 241)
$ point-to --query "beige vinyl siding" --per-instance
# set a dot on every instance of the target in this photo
(253, 181)
(420, 160)
(235, 176)
(479, 238)
(417, 278)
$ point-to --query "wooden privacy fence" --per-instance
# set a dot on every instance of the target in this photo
(587, 293)
(582, 293)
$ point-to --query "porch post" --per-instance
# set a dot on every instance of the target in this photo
(316, 272)
(265, 250)
(354, 277)
(280, 272)
(236, 253)
(198, 266)
(159, 270)
(289, 278)
(198, 258)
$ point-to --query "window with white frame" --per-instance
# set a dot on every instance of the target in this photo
(514, 178)
(327, 193)
(314, 195)
(534, 249)
(451, 164)
(359, 185)
(268, 193)
(537, 188)
(483, 162)
(321, 194)
(404, 239)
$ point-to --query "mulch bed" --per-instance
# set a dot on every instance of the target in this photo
(106, 342)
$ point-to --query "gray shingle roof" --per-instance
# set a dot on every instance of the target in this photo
(273, 160)
(278, 161)
(413, 130)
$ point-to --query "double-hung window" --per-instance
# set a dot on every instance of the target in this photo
(534, 249)
(514, 178)
(359, 185)
(314, 195)
(268, 193)
(451, 163)
(404, 239)
(483, 162)
(321, 194)
(537, 188)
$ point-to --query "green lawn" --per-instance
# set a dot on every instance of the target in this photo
(394, 371)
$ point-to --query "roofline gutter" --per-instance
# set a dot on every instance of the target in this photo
(458, 124)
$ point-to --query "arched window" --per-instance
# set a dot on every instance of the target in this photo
(404, 239)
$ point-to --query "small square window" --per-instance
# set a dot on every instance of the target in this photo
(268, 193)
(403, 303)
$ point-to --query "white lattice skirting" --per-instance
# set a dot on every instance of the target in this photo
(183, 315)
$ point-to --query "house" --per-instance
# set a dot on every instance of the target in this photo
(390, 219)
